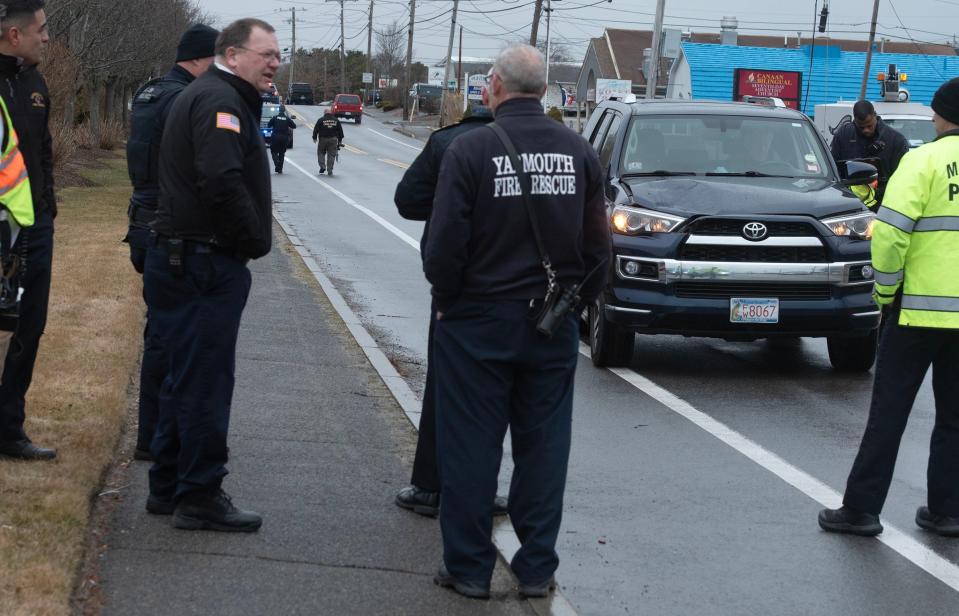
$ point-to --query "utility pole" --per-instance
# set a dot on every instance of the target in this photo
(459, 68)
(654, 56)
(872, 39)
(549, 10)
(369, 41)
(449, 61)
(293, 50)
(409, 61)
(342, 50)
(537, 11)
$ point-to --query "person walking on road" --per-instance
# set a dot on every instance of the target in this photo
(414, 200)
(498, 283)
(915, 253)
(214, 216)
(328, 137)
(151, 106)
(23, 36)
(281, 125)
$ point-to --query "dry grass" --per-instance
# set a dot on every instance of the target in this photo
(78, 399)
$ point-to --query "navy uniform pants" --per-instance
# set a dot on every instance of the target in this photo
(36, 246)
(905, 354)
(425, 471)
(153, 365)
(278, 152)
(196, 314)
(493, 372)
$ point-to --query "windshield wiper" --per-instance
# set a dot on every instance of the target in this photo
(750, 174)
(658, 172)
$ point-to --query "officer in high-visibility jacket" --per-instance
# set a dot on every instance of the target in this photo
(915, 254)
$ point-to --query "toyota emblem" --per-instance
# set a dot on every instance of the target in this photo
(755, 231)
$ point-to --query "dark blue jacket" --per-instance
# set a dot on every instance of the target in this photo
(151, 105)
(480, 244)
(887, 144)
(414, 193)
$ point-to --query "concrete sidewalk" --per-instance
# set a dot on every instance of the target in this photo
(319, 447)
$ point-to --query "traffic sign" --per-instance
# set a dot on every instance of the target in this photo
(367, 77)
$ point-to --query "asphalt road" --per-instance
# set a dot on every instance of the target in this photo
(697, 473)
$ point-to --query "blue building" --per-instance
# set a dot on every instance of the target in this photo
(706, 71)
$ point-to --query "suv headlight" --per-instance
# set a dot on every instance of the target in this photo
(629, 220)
(856, 226)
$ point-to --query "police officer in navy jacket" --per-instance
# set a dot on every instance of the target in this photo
(493, 369)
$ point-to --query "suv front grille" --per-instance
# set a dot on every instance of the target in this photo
(756, 254)
(725, 290)
(733, 226)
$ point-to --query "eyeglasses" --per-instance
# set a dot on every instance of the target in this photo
(489, 78)
(266, 55)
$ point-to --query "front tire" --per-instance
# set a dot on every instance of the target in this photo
(852, 354)
(610, 345)
(358, 120)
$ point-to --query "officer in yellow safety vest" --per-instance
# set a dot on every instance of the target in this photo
(915, 254)
(16, 211)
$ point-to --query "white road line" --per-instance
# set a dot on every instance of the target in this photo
(405, 145)
(504, 536)
(914, 551)
(376, 217)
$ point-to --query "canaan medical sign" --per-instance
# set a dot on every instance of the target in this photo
(785, 85)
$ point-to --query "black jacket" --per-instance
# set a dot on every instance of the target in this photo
(887, 144)
(281, 125)
(150, 109)
(25, 93)
(480, 244)
(414, 193)
(214, 174)
(327, 127)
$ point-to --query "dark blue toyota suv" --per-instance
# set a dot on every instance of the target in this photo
(730, 220)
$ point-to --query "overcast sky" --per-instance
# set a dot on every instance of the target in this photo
(487, 24)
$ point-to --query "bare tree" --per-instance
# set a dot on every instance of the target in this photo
(390, 48)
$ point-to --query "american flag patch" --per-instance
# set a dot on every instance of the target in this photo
(228, 121)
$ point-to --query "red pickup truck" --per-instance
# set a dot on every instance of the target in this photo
(348, 106)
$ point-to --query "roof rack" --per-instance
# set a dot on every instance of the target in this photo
(768, 101)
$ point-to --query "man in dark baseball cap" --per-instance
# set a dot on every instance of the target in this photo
(946, 101)
(151, 103)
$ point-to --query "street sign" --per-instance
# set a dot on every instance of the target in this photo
(367, 77)
(451, 84)
(382, 83)
(475, 87)
(609, 88)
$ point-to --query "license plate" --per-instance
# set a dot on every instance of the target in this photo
(753, 310)
(347, 113)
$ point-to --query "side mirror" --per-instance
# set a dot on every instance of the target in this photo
(857, 173)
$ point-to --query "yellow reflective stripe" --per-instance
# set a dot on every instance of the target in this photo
(938, 223)
(930, 302)
(886, 279)
(895, 219)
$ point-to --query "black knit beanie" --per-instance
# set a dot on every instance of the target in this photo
(946, 101)
(197, 42)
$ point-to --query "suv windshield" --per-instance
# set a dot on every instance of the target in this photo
(916, 132)
(721, 144)
(267, 114)
(349, 100)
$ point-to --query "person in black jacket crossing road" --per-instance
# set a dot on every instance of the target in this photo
(23, 36)
(328, 137)
(214, 216)
(494, 370)
(281, 125)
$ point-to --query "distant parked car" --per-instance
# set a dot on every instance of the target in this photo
(348, 106)
(272, 96)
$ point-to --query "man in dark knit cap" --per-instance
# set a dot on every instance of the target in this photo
(151, 103)
(915, 255)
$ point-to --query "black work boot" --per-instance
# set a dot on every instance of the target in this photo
(473, 590)
(26, 450)
(419, 501)
(160, 506)
(940, 524)
(537, 591)
(850, 522)
(214, 511)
